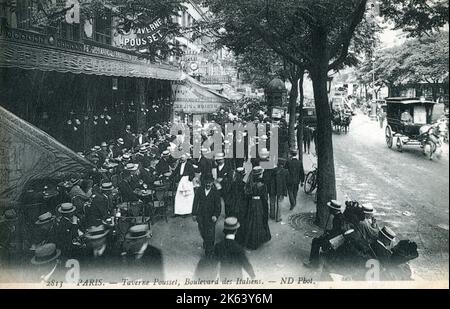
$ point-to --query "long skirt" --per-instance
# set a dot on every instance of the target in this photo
(184, 199)
(257, 226)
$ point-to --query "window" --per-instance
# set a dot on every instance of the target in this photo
(70, 32)
(102, 26)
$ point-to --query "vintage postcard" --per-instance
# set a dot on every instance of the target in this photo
(191, 144)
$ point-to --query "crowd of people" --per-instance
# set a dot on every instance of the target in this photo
(107, 212)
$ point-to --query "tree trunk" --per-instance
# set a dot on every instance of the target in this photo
(300, 120)
(326, 190)
(293, 95)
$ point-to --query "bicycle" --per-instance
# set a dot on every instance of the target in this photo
(311, 181)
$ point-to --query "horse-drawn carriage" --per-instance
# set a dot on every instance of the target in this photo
(409, 120)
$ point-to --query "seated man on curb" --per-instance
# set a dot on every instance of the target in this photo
(322, 241)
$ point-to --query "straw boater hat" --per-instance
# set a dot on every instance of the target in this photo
(294, 152)
(45, 254)
(126, 157)
(333, 204)
(219, 156)
(45, 218)
(388, 233)
(74, 180)
(104, 144)
(66, 208)
(231, 224)
(107, 186)
(137, 232)
(257, 170)
(97, 148)
(143, 149)
(240, 170)
(96, 232)
(165, 153)
(120, 141)
(131, 167)
(368, 209)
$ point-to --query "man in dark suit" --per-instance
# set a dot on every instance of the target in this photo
(128, 137)
(99, 210)
(163, 165)
(101, 256)
(307, 137)
(126, 186)
(338, 227)
(206, 211)
(224, 177)
(204, 165)
(296, 177)
(142, 260)
(230, 255)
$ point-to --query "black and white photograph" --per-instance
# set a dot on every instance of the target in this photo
(224, 144)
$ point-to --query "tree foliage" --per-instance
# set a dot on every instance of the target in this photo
(416, 17)
(418, 60)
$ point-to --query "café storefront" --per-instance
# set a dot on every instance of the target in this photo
(81, 92)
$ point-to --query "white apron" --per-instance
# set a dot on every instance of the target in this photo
(184, 199)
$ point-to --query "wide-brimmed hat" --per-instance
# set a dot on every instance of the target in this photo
(66, 208)
(74, 180)
(240, 169)
(138, 232)
(104, 144)
(9, 215)
(165, 153)
(257, 170)
(333, 204)
(107, 186)
(45, 254)
(388, 233)
(219, 156)
(96, 232)
(231, 224)
(97, 148)
(131, 167)
(368, 209)
(45, 218)
(120, 141)
(264, 153)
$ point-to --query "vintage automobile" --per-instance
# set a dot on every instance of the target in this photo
(309, 116)
(409, 121)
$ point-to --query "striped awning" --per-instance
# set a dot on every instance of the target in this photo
(81, 59)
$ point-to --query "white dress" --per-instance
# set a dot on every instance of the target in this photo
(184, 199)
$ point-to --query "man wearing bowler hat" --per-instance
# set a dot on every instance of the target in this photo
(334, 208)
(100, 258)
(67, 229)
(45, 230)
(296, 177)
(230, 255)
(143, 260)
(47, 264)
(99, 210)
(206, 211)
(224, 174)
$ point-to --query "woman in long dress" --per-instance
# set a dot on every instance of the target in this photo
(184, 198)
(257, 226)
